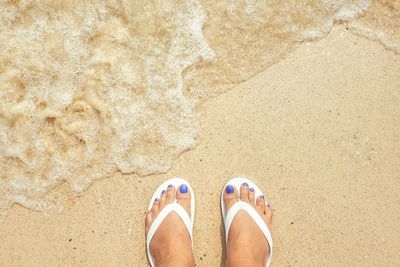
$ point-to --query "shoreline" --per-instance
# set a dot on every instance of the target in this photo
(318, 131)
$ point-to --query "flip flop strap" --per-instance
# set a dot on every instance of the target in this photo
(173, 207)
(241, 205)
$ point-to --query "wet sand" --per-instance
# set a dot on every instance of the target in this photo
(319, 132)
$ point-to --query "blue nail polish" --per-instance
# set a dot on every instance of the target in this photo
(163, 192)
(183, 189)
(245, 184)
(170, 186)
(252, 189)
(156, 200)
(229, 189)
(261, 197)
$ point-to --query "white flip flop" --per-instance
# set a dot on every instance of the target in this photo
(241, 205)
(172, 207)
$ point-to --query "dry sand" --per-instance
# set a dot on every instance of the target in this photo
(319, 132)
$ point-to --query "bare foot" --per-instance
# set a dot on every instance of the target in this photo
(246, 244)
(171, 244)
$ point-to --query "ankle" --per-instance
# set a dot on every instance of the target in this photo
(174, 258)
(176, 262)
(241, 262)
(245, 257)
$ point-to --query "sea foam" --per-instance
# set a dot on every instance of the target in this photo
(89, 88)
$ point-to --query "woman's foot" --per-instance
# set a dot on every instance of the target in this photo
(171, 244)
(246, 245)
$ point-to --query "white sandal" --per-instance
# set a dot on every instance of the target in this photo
(172, 207)
(241, 205)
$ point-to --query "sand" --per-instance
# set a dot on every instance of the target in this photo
(319, 132)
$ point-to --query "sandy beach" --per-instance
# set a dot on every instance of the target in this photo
(319, 132)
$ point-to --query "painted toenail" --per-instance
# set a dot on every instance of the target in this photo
(170, 186)
(245, 184)
(261, 197)
(229, 189)
(163, 192)
(252, 189)
(156, 200)
(183, 189)
(269, 206)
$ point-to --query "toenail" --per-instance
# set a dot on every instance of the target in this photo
(183, 189)
(269, 206)
(163, 192)
(245, 184)
(229, 189)
(170, 186)
(261, 197)
(252, 189)
(156, 200)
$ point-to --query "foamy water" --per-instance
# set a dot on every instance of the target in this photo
(89, 88)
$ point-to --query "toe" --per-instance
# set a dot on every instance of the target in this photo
(252, 196)
(183, 197)
(260, 204)
(244, 192)
(170, 194)
(156, 207)
(268, 214)
(230, 196)
(163, 198)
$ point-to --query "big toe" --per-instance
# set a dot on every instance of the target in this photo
(183, 197)
(230, 196)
